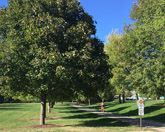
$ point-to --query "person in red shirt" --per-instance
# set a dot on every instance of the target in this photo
(102, 106)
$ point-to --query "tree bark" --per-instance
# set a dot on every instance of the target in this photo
(49, 107)
(137, 97)
(123, 97)
(89, 102)
(52, 104)
(120, 98)
(43, 108)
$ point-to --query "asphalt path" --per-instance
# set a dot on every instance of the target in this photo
(134, 121)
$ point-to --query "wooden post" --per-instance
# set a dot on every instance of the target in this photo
(141, 122)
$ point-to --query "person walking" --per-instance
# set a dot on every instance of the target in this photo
(102, 106)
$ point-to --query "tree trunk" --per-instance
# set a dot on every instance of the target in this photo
(52, 104)
(49, 107)
(123, 94)
(123, 97)
(120, 98)
(137, 97)
(43, 108)
(89, 102)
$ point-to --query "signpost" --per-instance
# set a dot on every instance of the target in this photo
(140, 104)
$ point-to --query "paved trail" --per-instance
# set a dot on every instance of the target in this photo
(150, 124)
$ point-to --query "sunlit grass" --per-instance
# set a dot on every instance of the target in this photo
(16, 116)
(153, 110)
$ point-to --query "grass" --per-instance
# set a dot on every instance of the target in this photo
(153, 110)
(15, 117)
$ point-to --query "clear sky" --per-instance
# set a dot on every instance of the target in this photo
(109, 14)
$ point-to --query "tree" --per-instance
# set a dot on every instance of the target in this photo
(149, 48)
(116, 49)
(95, 73)
(44, 40)
(138, 54)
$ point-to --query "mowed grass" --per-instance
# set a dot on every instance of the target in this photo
(14, 117)
(153, 110)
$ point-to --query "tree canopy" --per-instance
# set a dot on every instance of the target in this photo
(50, 46)
(140, 50)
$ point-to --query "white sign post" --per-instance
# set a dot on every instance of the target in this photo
(140, 104)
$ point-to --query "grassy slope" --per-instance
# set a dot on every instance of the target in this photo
(153, 110)
(14, 117)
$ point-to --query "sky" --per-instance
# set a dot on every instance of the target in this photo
(109, 14)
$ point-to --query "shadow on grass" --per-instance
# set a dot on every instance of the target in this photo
(68, 109)
(147, 110)
(96, 107)
(72, 111)
(118, 109)
(82, 115)
(10, 107)
(107, 105)
(158, 118)
(63, 107)
(104, 122)
(152, 108)
(93, 120)
(134, 112)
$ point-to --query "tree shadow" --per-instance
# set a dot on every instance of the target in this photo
(68, 109)
(131, 113)
(82, 115)
(104, 122)
(158, 118)
(62, 107)
(10, 105)
(107, 105)
(94, 120)
(72, 111)
(153, 108)
(147, 110)
(10, 109)
(96, 107)
(118, 109)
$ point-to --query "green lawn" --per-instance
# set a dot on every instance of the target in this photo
(153, 110)
(14, 117)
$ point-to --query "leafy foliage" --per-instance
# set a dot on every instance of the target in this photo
(138, 54)
(48, 48)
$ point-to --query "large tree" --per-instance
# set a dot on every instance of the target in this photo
(119, 57)
(47, 42)
(150, 47)
(138, 54)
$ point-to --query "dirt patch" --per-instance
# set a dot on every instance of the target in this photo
(44, 126)
(47, 118)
